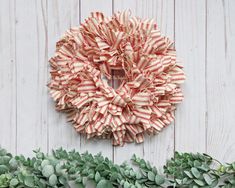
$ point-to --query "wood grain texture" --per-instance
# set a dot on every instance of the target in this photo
(221, 79)
(61, 16)
(96, 145)
(7, 76)
(190, 32)
(124, 153)
(31, 76)
(159, 147)
(204, 32)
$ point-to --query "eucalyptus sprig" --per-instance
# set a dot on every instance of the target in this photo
(71, 169)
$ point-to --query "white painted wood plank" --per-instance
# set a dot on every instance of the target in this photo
(121, 5)
(27, 107)
(190, 21)
(159, 147)
(96, 145)
(62, 15)
(31, 76)
(125, 152)
(7, 76)
(221, 79)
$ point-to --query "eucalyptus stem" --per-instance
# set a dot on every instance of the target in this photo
(71, 169)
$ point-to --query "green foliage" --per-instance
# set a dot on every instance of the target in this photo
(196, 170)
(62, 168)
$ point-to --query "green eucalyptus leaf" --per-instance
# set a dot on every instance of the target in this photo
(63, 169)
(188, 173)
(78, 179)
(48, 170)
(5, 159)
(127, 172)
(39, 155)
(45, 162)
(186, 181)
(58, 168)
(233, 165)
(63, 180)
(199, 182)
(79, 185)
(148, 165)
(204, 167)
(132, 173)
(159, 180)
(178, 181)
(195, 172)
(100, 167)
(90, 176)
(13, 163)
(114, 176)
(104, 184)
(126, 184)
(137, 185)
(4, 180)
(29, 181)
(97, 176)
(21, 177)
(14, 182)
(3, 152)
(41, 183)
(138, 175)
(53, 180)
(207, 179)
(196, 163)
(3, 169)
(133, 158)
(151, 176)
(72, 170)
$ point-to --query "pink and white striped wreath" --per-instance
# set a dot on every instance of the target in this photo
(145, 100)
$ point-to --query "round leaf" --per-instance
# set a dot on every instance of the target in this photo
(53, 180)
(13, 163)
(29, 181)
(104, 184)
(3, 169)
(14, 182)
(45, 162)
(62, 180)
(6, 159)
(47, 170)
(3, 152)
(159, 179)
(151, 176)
(58, 168)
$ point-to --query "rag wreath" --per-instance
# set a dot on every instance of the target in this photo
(145, 100)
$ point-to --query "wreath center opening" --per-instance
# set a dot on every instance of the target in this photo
(118, 76)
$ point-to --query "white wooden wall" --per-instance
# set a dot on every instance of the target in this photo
(204, 31)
